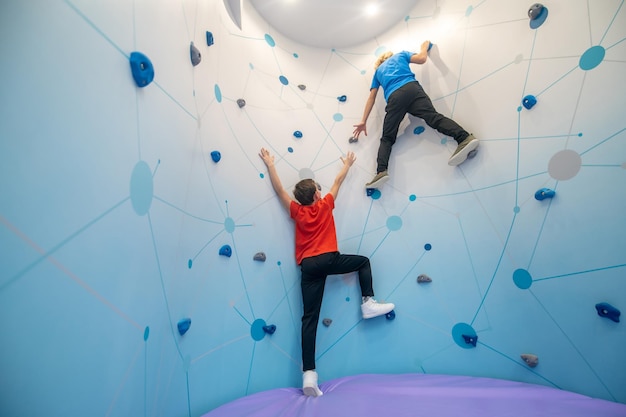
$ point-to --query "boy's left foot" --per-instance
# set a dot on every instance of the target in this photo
(309, 384)
(372, 308)
(459, 156)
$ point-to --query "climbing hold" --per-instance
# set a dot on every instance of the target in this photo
(302, 87)
(423, 278)
(342, 98)
(544, 193)
(183, 326)
(608, 311)
(209, 38)
(259, 256)
(195, 54)
(353, 139)
(530, 359)
(241, 102)
(226, 251)
(529, 101)
(535, 10)
(216, 156)
(297, 134)
(472, 153)
(391, 315)
(370, 191)
(326, 322)
(142, 69)
(470, 340)
(418, 130)
(269, 329)
(430, 46)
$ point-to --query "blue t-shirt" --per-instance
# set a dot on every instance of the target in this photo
(393, 73)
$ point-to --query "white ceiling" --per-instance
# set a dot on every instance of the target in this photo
(331, 23)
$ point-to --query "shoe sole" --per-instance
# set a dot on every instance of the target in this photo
(310, 391)
(379, 183)
(380, 313)
(459, 158)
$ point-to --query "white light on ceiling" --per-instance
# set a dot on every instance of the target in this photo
(371, 9)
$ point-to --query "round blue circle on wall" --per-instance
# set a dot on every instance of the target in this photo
(522, 279)
(461, 329)
(256, 330)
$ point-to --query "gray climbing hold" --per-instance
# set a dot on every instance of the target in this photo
(241, 102)
(326, 322)
(535, 10)
(423, 278)
(195, 54)
(259, 256)
(302, 87)
(353, 139)
(530, 359)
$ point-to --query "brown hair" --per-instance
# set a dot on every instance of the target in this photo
(304, 191)
(382, 58)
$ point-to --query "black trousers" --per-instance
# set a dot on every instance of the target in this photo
(411, 98)
(315, 269)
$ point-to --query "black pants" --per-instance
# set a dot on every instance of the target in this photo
(315, 269)
(411, 98)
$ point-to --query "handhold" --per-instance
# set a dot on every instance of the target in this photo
(470, 340)
(353, 139)
(529, 101)
(141, 68)
(544, 193)
(241, 102)
(327, 322)
(259, 256)
(418, 130)
(209, 38)
(535, 10)
(269, 329)
(342, 98)
(608, 311)
(391, 315)
(302, 87)
(370, 191)
(195, 55)
(423, 278)
(183, 326)
(430, 46)
(530, 359)
(297, 134)
(226, 251)
(216, 156)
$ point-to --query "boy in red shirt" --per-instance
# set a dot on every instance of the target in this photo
(318, 256)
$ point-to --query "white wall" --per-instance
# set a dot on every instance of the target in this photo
(91, 289)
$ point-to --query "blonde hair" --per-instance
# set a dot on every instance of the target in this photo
(382, 58)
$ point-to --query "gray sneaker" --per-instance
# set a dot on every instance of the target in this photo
(378, 181)
(459, 156)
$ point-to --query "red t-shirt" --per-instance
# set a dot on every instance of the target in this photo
(315, 228)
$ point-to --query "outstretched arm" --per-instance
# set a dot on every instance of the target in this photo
(369, 104)
(283, 196)
(347, 163)
(422, 56)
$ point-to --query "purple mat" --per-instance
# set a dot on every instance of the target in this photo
(421, 395)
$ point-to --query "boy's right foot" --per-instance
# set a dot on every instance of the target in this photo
(372, 308)
(462, 150)
(309, 384)
(378, 181)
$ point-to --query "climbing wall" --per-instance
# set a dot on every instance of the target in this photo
(147, 266)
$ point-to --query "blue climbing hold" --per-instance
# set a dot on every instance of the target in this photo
(342, 98)
(195, 55)
(391, 315)
(209, 38)
(142, 69)
(297, 134)
(544, 193)
(529, 101)
(419, 129)
(470, 340)
(430, 46)
(370, 191)
(183, 326)
(216, 156)
(606, 310)
(269, 329)
(226, 251)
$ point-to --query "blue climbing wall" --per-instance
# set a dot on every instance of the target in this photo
(117, 223)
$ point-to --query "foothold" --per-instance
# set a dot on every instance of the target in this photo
(353, 139)
(302, 87)
(216, 156)
(327, 322)
(259, 256)
(535, 10)
(209, 38)
(195, 54)
(269, 329)
(226, 251)
(297, 134)
(470, 340)
(370, 191)
(472, 153)
(606, 310)
(419, 129)
(141, 68)
(544, 193)
(241, 102)
(391, 315)
(342, 98)
(529, 101)
(530, 359)
(183, 326)
(423, 278)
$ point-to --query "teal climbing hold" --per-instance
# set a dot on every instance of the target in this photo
(141, 68)
(195, 55)
(544, 193)
(226, 251)
(529, 101)
(216, 156)
(183, 326)
(606, 310)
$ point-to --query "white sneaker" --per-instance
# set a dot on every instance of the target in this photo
(309, 384)
(372, 308)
